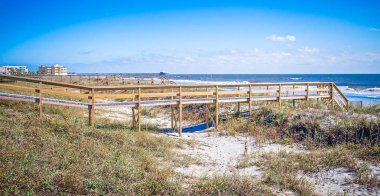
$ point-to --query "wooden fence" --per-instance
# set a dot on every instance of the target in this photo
(175, 96)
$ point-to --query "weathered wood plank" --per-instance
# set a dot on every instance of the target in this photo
(203, 93)
(15, 87)
(115, 96)
(33, 80)
(69, 94)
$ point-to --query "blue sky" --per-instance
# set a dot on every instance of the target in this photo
(197, 36)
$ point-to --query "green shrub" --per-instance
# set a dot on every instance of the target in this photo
(230, 185)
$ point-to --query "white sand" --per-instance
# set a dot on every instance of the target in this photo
(338, 181)
(162, 120)
(220, 155)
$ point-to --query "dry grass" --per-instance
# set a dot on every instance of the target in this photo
(61, 155)
(283, 173)
(231, 185)
(283, 169)
(318, 161)
(335, 140)
(311, 125)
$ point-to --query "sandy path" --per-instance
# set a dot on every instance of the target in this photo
(220, 155)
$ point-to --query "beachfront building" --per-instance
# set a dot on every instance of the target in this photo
(10, 70)
(44, 70)
(55, 69)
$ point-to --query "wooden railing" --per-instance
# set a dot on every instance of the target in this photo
(175, 96)
(339, 98)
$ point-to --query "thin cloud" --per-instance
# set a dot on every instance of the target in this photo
(254, 60)
(285, 38)
(309, 50)
(374, 29)
(86, 52)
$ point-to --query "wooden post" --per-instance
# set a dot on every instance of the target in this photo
(207, 117)
(180, 112)
(139, 110)
(91, 112)
(294, 101)
(318, 92)
(332, 95)
(217, 108)
(172, 114)
(250, 100)
(133, 98)
(307, 92)
(206, 91)
(268, 94)
(133, 118)
(238, 105)
(279, 95)
(172, 117)
(40, 99)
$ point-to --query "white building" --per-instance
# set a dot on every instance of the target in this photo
(2, 70)
(7, 69)
(55, 69)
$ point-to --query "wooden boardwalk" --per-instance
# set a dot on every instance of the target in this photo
(138, 96)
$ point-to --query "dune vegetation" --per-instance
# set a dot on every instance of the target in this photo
(330, 139)
(61, 154)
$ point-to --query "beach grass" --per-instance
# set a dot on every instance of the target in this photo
(312, 125)
(231, 185)
(60, 154)
(288, 168)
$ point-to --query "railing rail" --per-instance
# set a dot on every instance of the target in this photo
(46, 82)
(136, 96)
(340, 98)
(147, 87)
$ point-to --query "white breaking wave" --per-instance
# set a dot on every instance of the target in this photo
(369, 93)
(373, 89)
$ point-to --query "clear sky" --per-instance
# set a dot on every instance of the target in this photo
(194, 36)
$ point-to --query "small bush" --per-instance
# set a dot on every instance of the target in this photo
(283, 173)
(230, 185)
(270, 116)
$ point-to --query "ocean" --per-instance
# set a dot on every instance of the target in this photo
(357, 87)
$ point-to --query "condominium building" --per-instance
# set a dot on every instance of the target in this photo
(7, 69)
(55, 69)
